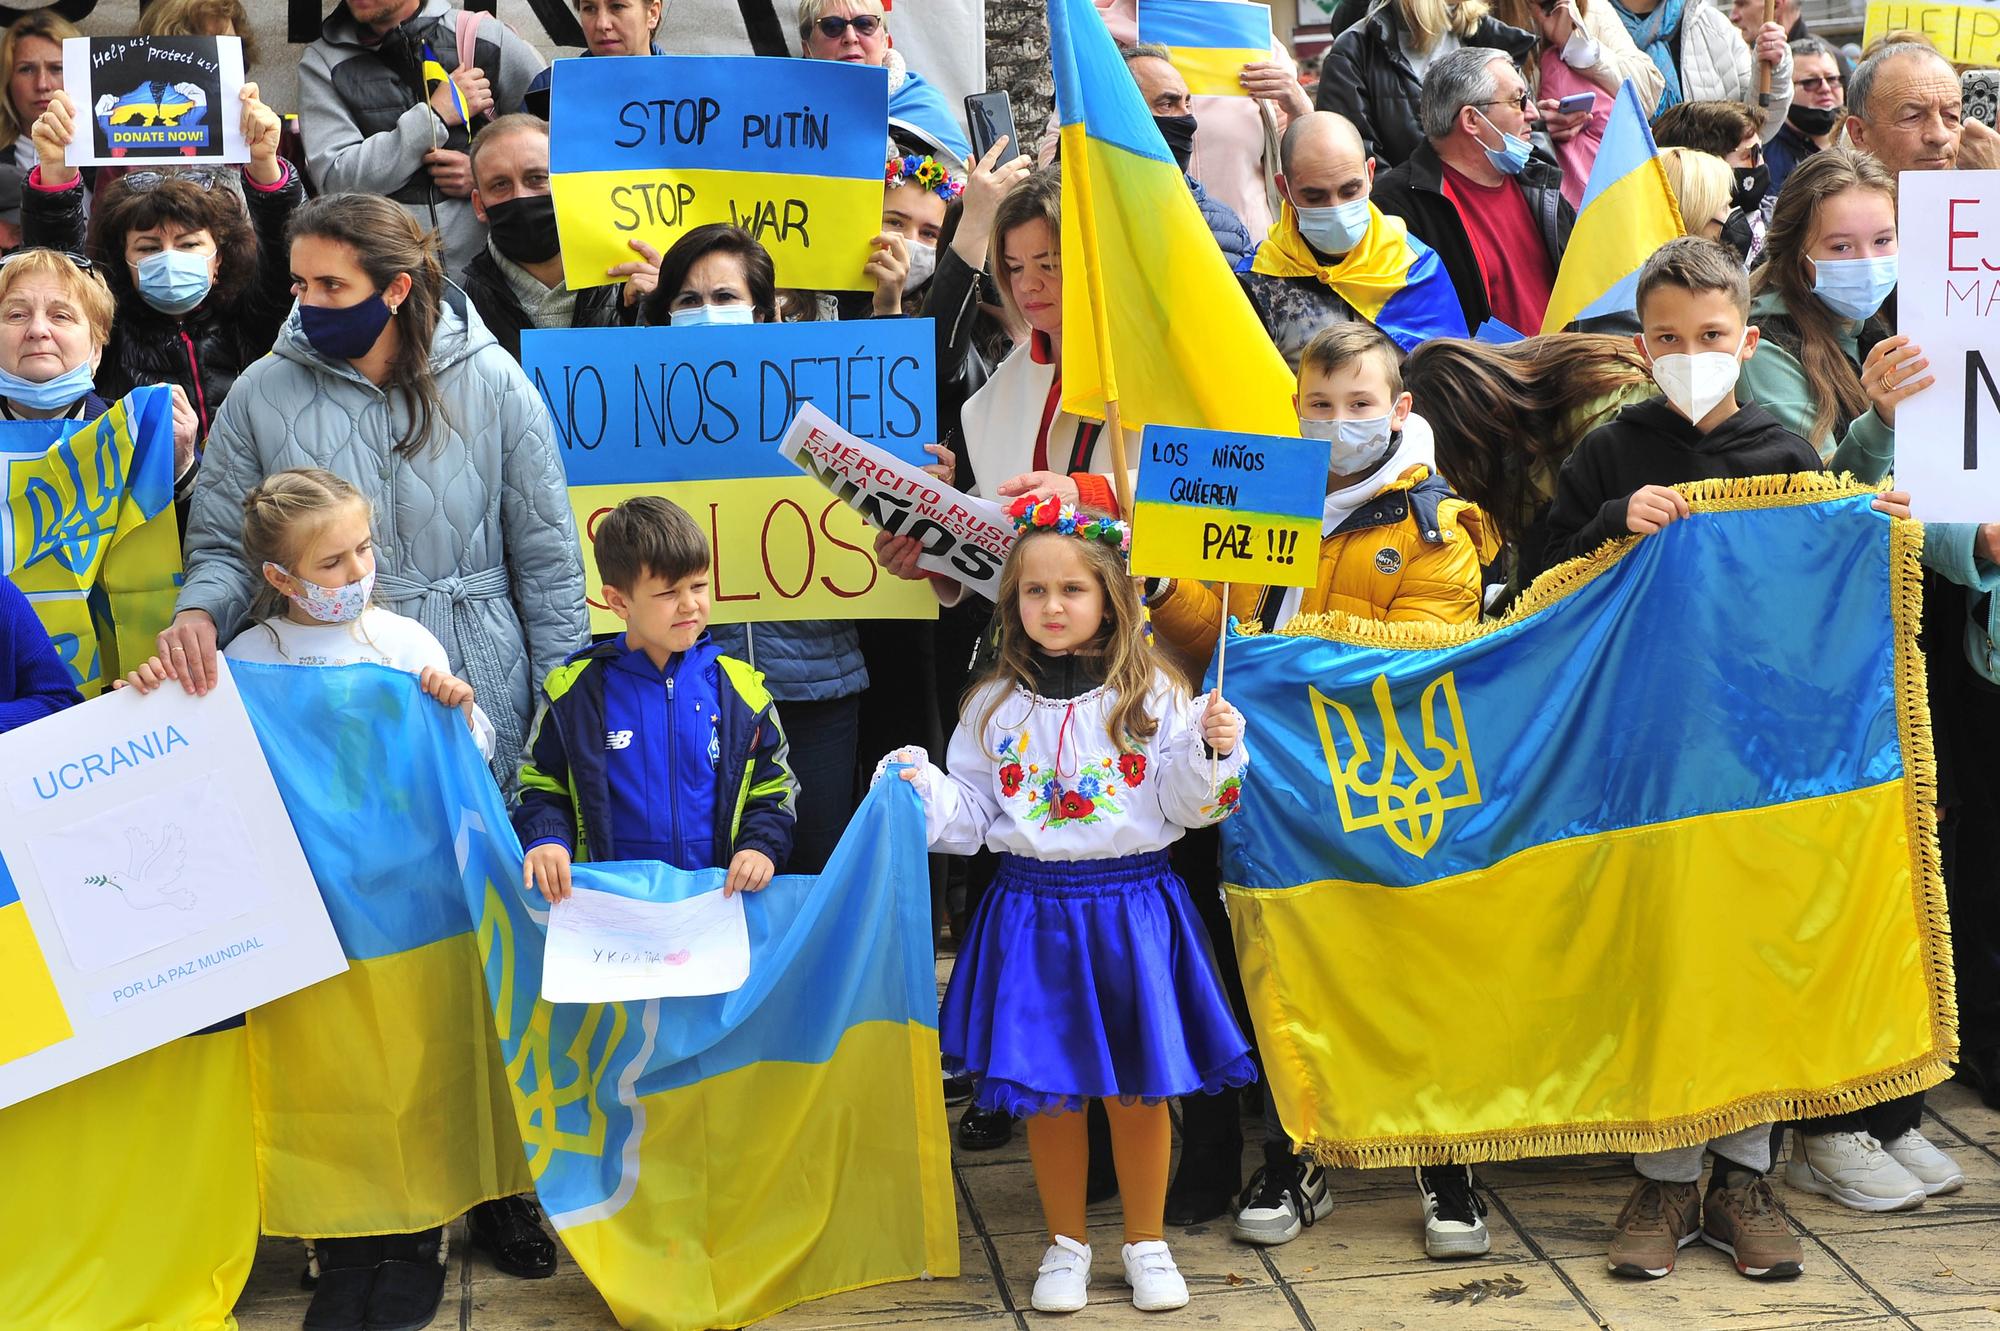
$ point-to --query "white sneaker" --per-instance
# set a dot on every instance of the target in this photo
(1454, 1224)
(1854, 1170)
(1931, 1167)
(1063, 1283)
(1280, 1203)
(1156, 1282)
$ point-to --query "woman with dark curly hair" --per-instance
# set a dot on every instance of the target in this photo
(201, 288)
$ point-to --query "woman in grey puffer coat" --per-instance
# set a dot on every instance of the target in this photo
(404, 394)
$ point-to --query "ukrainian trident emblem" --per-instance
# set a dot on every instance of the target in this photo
(1400, 793)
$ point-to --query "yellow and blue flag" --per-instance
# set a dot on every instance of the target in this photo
(1155, 320)
(88, 532)
(1538, 887)
(708, 1161)
(1209, 41)
(1391, 279)
(1628, 212)
(434, 74)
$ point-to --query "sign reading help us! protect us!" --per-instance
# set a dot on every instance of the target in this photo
(1229, 507)
(155, 99)
(791, 151)
(696, 415)
(150, 883)
(959, 536)
(1948, 288)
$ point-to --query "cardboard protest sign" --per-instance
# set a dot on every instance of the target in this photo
(696, 415)
(1209, 41)
(792, 151)
(150, 883)
(155, 99)
(1228, 507)
(961, 537)
(1948, 288)
(1967, 34)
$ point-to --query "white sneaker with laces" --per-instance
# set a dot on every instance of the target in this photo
(1156, 1282)
(1062, 1285)
(1454, 1224)
(1931, 1167)
(1280, 1203)
(1854, 1170)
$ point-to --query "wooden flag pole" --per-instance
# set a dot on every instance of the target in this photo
(1121, 476)
(1764, 70)
(1221, 649)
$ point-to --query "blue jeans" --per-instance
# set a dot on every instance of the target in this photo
(823, 736)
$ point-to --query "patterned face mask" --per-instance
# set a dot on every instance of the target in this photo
(331, 605)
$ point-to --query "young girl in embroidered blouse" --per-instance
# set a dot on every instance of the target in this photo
(1086, 973)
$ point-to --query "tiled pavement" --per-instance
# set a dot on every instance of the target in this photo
(1933, 1269)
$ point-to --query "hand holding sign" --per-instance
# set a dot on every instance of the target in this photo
(1894, 371)
(52, 132)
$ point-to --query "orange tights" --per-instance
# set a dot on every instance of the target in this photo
(1141, 1143)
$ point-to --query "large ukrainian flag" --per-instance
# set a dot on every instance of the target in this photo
(1628, 212)
(1651, 860)
(1154, 319)
(707, 1161)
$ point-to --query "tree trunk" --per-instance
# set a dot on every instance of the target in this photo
(1017, 59)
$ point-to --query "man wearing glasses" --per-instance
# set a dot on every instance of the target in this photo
(1818, 89)
(1475, 192)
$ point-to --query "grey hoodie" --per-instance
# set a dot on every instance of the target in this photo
(365, 115)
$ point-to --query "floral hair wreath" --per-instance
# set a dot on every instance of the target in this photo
(1051, 514)
(924, 171)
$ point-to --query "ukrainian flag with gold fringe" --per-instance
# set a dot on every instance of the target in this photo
(1209, 41)
(1628, 212)
(1547, 885)
(1154, 320)
(707, 1161)
(87, 531)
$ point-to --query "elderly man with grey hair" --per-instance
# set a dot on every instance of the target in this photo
(1475, 192)
(1904, 109)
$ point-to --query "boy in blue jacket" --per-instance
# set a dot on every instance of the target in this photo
(653, 745)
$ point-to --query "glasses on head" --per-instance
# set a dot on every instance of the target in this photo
(834, 26)
(1520, 102)
(203, 177)
(1819, 83)
(80, 262)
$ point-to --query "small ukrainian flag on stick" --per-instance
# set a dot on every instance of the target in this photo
(434, 74)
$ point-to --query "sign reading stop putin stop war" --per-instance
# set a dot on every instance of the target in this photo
(696, 415)
(1947, 297)
(1227, 507)
(790, 150)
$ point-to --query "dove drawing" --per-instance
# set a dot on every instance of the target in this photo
(152, 872)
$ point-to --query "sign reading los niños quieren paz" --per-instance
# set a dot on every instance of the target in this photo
(1947, 295)
(696, 415)
(1228, 507)
(792, 151)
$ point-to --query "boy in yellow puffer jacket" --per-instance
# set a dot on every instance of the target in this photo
(1396, 545)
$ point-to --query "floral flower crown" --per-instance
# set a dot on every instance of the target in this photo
(1051, 514)
(925, 171)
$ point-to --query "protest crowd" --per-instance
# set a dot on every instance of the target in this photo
(363, 471)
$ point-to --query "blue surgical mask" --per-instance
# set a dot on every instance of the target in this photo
(175, 281)
(50, 394)
(1335, 230)
(348, 332)
(1854, 288)
(1510, 159)
(703, 316)
(1354, 447)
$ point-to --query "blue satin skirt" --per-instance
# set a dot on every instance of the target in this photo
(1087, 979)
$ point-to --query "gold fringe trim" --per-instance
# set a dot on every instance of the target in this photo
(1727, 495)
(1619, 1138)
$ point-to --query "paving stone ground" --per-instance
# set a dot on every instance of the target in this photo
(1936, 1268)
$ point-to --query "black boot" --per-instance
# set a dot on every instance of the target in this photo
(509, 1230)
(984, 1129)
(409, 1284)
(1211, 1169)
(346, 1277)
(1980, 1069)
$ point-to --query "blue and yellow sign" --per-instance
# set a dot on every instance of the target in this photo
(1228, 507)
(1209, 40)
(792, 151)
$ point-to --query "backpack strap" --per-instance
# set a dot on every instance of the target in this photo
(468, 49)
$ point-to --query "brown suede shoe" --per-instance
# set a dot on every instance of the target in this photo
(1743, 1220)
(1659, 1220)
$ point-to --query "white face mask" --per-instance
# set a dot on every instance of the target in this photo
(923, 263)
(1355, 446)
(1696, 383)
(704, 316)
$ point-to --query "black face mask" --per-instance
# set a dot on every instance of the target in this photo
(1178, 131)
(1750, 187)
(1736, 233)
(1813, 121)
(524, 228)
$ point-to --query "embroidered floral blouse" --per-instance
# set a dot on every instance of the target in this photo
(1043, 778)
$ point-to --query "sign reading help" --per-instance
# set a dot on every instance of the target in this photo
(696, 415)
(792, 151)
(1229, 507)
(1948, 435)
(1968, 34)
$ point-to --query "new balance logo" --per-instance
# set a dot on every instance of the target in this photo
(618, 739)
